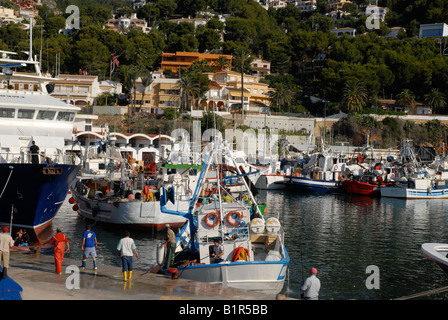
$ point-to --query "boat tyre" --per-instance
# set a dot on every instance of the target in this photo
(95, 211)
(233, 218)
(211, 222)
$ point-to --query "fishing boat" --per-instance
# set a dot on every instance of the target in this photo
(321, 173)
(416, 188)
(367, 183)
(360, 187)
(32, 193)
(120, 194)
(272, 177)
(437, 252)
(254, 254)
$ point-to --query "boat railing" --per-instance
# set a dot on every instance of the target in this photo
(22, 157)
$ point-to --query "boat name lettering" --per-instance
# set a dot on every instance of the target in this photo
(10, 96)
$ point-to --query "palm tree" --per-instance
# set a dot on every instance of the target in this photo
(281, 96)
(406, 100)
(146, 82)
(354, 96)
(242, 56)
(435, 100)
(222, 63)
(188, 86)
(132, 75)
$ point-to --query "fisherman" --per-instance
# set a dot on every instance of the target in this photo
(6, 242)
(311, 286)
(125, 250)
(145, 193)
(88, 247)
(170, 246)
(34, 150)
(59, 240)
(218, 251)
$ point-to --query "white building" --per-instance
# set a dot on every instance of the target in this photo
(260, 67)
(341, 31)
(305, 6)
(196, 21)
(7, 15)
(80, 90)
(123, 24)
(433, 30)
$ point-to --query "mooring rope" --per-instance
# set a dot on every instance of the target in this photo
(424, 293)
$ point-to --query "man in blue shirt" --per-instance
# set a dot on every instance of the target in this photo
(88, 247)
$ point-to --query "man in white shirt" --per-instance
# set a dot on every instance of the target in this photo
(126, 249)
(6, 242)
(311, 286)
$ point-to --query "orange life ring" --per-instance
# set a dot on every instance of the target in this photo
(233, 217)
(211, 222)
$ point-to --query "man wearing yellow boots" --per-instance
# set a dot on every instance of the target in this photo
(126, 249)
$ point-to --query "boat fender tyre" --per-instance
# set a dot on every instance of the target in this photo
(95, 211)
(233, 217)
(161, 252)
(211, 222)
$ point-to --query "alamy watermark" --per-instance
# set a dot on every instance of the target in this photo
(374, 17)
(255, 144)
(72, 21)
(373, 280)
(73, 280)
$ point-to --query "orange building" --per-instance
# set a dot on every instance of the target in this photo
(174, 61)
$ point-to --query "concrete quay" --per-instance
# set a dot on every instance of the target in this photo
(35, 273)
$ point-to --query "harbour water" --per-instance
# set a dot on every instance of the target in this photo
(339, 234)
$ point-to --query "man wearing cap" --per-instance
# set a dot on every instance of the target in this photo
(170, 247)
(59, 240)
(311, 286)
(6, 242)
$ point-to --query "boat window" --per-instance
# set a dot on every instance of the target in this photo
(25, 114)
(65, 116)
(46, 115)
(7, 112)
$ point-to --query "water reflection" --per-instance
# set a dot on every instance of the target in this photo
(341, 235)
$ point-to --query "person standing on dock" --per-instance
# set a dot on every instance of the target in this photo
(34, 150)
(59, 240)
(126, 249)
(311, 286)
(88, 247)
(170, 246)
(6, 242)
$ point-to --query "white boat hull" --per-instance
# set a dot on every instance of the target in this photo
(130, 212)
(410, 193)
(271, 182)
(437, 252)
(263, 276)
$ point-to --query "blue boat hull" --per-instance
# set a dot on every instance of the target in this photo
(313, 185)
(33, 195)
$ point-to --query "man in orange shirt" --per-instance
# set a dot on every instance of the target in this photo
(59, 240)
